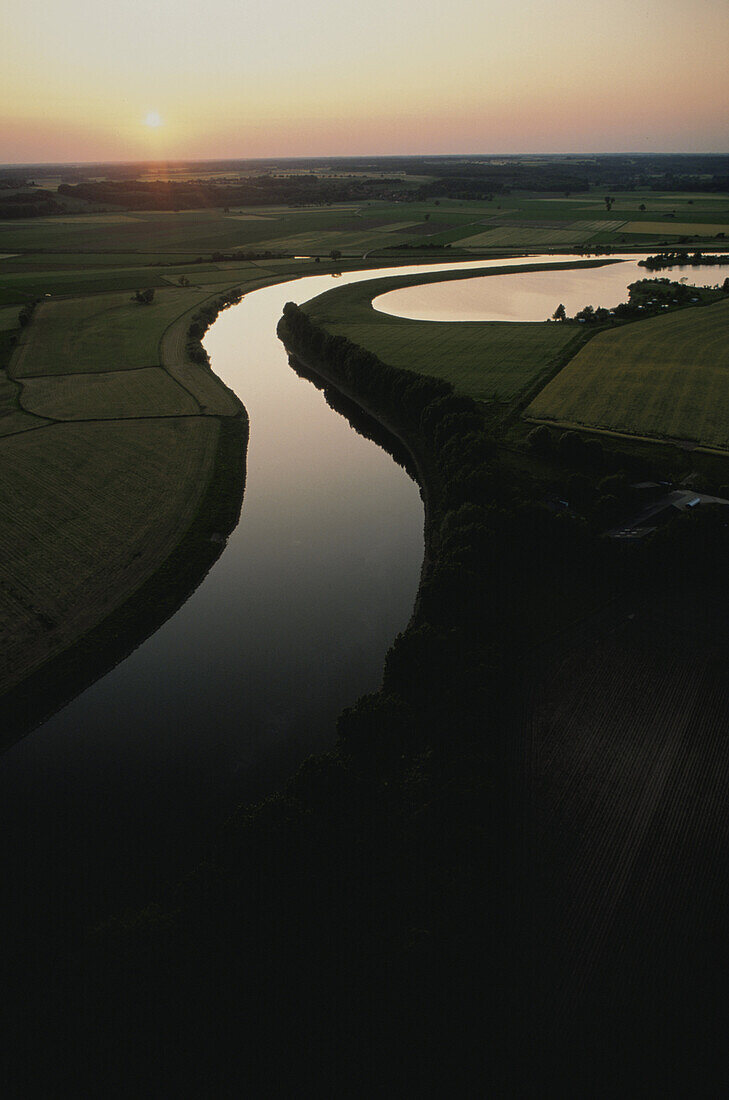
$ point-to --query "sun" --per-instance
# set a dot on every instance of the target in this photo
(152, 120)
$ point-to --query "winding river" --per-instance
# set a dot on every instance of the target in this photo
(292, 623)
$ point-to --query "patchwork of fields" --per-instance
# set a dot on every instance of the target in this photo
(666, 377)
(89, 511)
(512, 222)
(92, 355)
(109, 434)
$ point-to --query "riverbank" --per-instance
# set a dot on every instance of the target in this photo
(386, 425)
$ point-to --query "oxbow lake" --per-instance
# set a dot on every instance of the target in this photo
(533, 295)
(121, 788)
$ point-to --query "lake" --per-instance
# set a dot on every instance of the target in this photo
(532, 295)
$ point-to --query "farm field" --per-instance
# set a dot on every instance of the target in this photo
(13, 419)
(524, 237)
(109, 395)
(49, 261)
(102, 332)
(707, 229)
(486, 360)
(666, 377)
(89, 512)
(8, 318)
(50, 249)
(112, 331)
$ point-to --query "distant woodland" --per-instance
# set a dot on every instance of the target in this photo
(306, 182)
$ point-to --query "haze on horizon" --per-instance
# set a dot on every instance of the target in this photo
(82, 81)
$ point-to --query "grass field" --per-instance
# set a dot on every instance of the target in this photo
(486, 360)
(666, 377)
(12, 417)
(49, 261)
(34, 282)
(109, 395)
(9, 318)
(88, 512)
(698, 229)
(523, 237)
(103, 332)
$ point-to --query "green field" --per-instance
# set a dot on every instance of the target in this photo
(12, 417)
(665, 377)
(524, 237)
(88, 513)
(702, 228)
(109, 395)
(486, 360)
(8, 318)
(67, 253)
(103, 332)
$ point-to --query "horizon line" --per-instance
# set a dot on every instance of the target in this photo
(351, 156)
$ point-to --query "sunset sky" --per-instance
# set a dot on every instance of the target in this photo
(82, 81)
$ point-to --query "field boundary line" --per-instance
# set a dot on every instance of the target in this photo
(527, 395)
(86, 373)
(32, 428)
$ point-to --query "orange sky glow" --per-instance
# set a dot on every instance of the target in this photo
(81, 81)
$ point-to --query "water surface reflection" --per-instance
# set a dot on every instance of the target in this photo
(532, 295)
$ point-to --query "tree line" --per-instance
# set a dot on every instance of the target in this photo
(682, 258)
